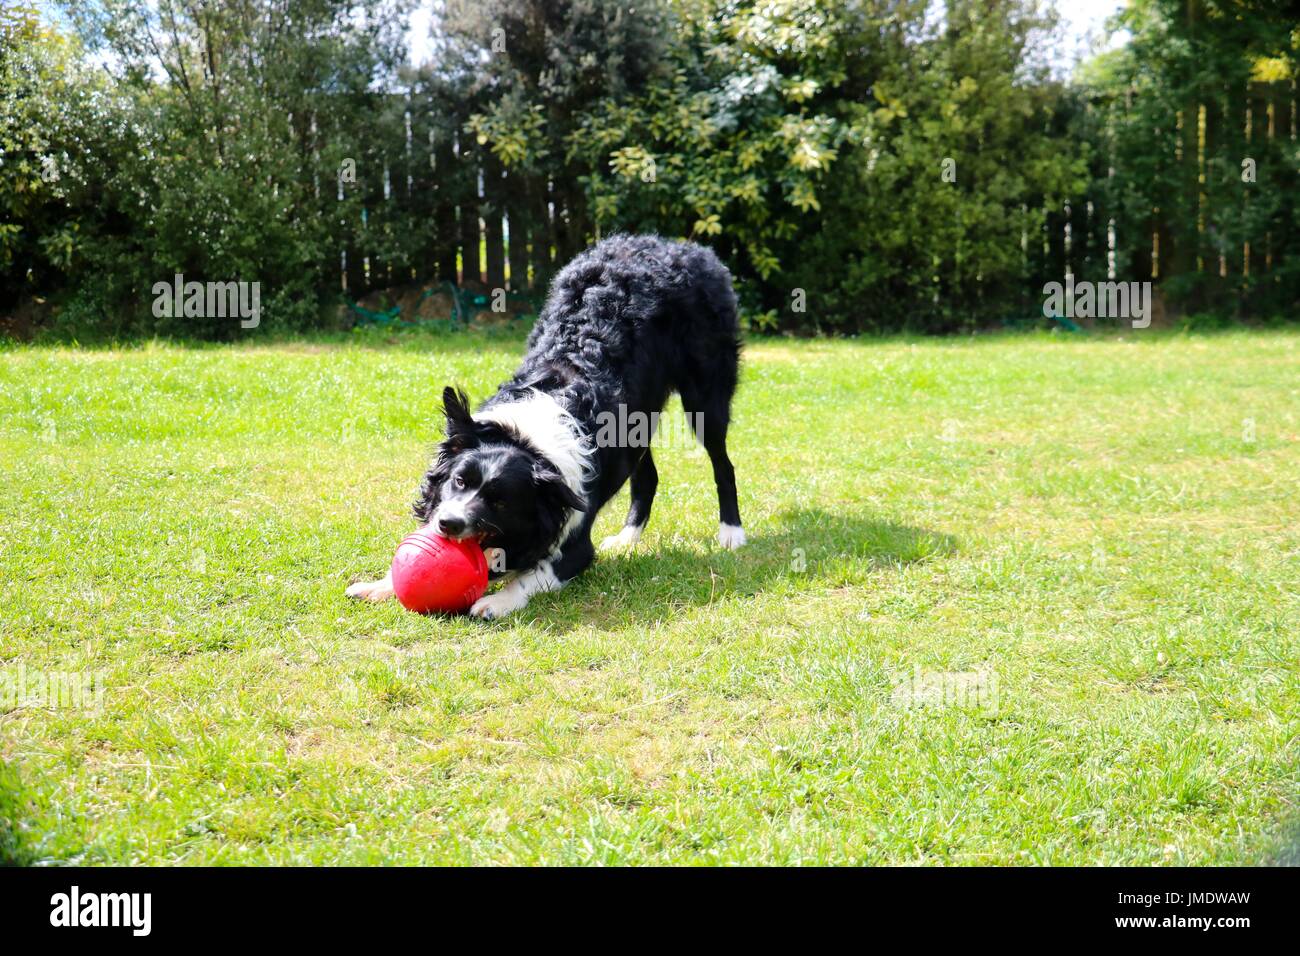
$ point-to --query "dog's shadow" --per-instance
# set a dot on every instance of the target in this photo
(803, 548)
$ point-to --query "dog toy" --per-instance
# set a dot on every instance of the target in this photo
(433, 574)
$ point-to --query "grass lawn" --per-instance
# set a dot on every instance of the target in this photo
(1006, 600)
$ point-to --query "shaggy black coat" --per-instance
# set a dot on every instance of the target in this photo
(627, 322)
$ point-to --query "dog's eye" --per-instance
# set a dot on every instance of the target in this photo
(458, 481)
(499, 505)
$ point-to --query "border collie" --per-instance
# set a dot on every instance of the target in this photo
(626, 323)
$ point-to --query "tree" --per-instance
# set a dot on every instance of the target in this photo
(230, 122)
(1195, 117)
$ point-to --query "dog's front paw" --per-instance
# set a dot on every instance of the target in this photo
(731, 536)
(380, 590)
(497, 605)
(625, 540)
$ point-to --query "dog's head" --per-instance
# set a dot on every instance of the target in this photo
(489, 483)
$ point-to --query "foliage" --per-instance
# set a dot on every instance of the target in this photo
(212, 150)
(860, 164)
(801, 134)
(1177, 114)
(41, 82)
(734, 147)
(929, 218)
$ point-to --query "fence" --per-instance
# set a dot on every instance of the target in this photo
(480, 224)
(1204, 234)
(483, 226)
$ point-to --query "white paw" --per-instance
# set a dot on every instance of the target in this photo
(624, 540)
(380, 590)
(731, 536)
(497, 605)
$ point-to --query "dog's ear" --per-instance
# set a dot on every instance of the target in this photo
(460, 424)
(550, 482)
(430, 495)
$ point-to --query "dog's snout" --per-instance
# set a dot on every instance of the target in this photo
(450, 527)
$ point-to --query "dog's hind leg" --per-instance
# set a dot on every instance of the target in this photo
(645, 480)
(708, 416)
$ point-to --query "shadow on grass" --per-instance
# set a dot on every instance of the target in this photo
(803, 549)
(14, 810)
(1285, 848)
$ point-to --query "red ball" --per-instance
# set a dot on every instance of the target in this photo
(435, 574)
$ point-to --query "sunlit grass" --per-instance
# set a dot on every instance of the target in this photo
(1106, 529)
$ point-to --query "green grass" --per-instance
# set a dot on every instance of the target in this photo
(1108, 530)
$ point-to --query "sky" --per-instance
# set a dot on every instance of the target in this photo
(1082, 17)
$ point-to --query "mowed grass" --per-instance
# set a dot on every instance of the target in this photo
(1106, 531)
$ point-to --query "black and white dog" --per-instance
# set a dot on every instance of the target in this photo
(626, 323)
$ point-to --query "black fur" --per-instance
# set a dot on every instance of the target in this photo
(626, 323)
